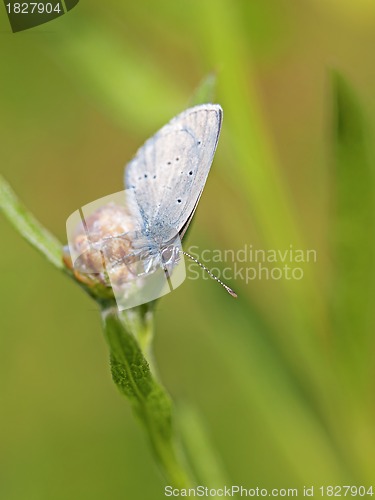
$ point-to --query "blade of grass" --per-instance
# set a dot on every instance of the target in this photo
(205, 463)
(353, 229)
(255, 165)
(300, 311)
(28, 226)
(353, 244)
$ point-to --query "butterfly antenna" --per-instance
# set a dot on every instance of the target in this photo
(227, 288)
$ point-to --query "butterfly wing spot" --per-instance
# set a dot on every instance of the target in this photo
(199, 143)
(169, 163)
(179, 200)
(191, 172)
(154, 177)
(177, 159)
(145, 176)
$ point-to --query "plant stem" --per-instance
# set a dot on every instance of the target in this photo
(132, 374)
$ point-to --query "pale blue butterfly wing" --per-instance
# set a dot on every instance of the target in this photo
(166, 177)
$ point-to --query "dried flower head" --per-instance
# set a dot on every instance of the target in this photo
(103, 244)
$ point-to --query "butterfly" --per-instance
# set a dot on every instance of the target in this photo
(131, 240)
(165, 181)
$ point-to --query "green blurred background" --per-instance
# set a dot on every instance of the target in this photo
(284, 377)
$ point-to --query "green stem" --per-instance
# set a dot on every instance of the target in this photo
(132, 374)
(140, 321)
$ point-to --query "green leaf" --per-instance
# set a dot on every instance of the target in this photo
(353, 227)
(132, 374)
(28, 226)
